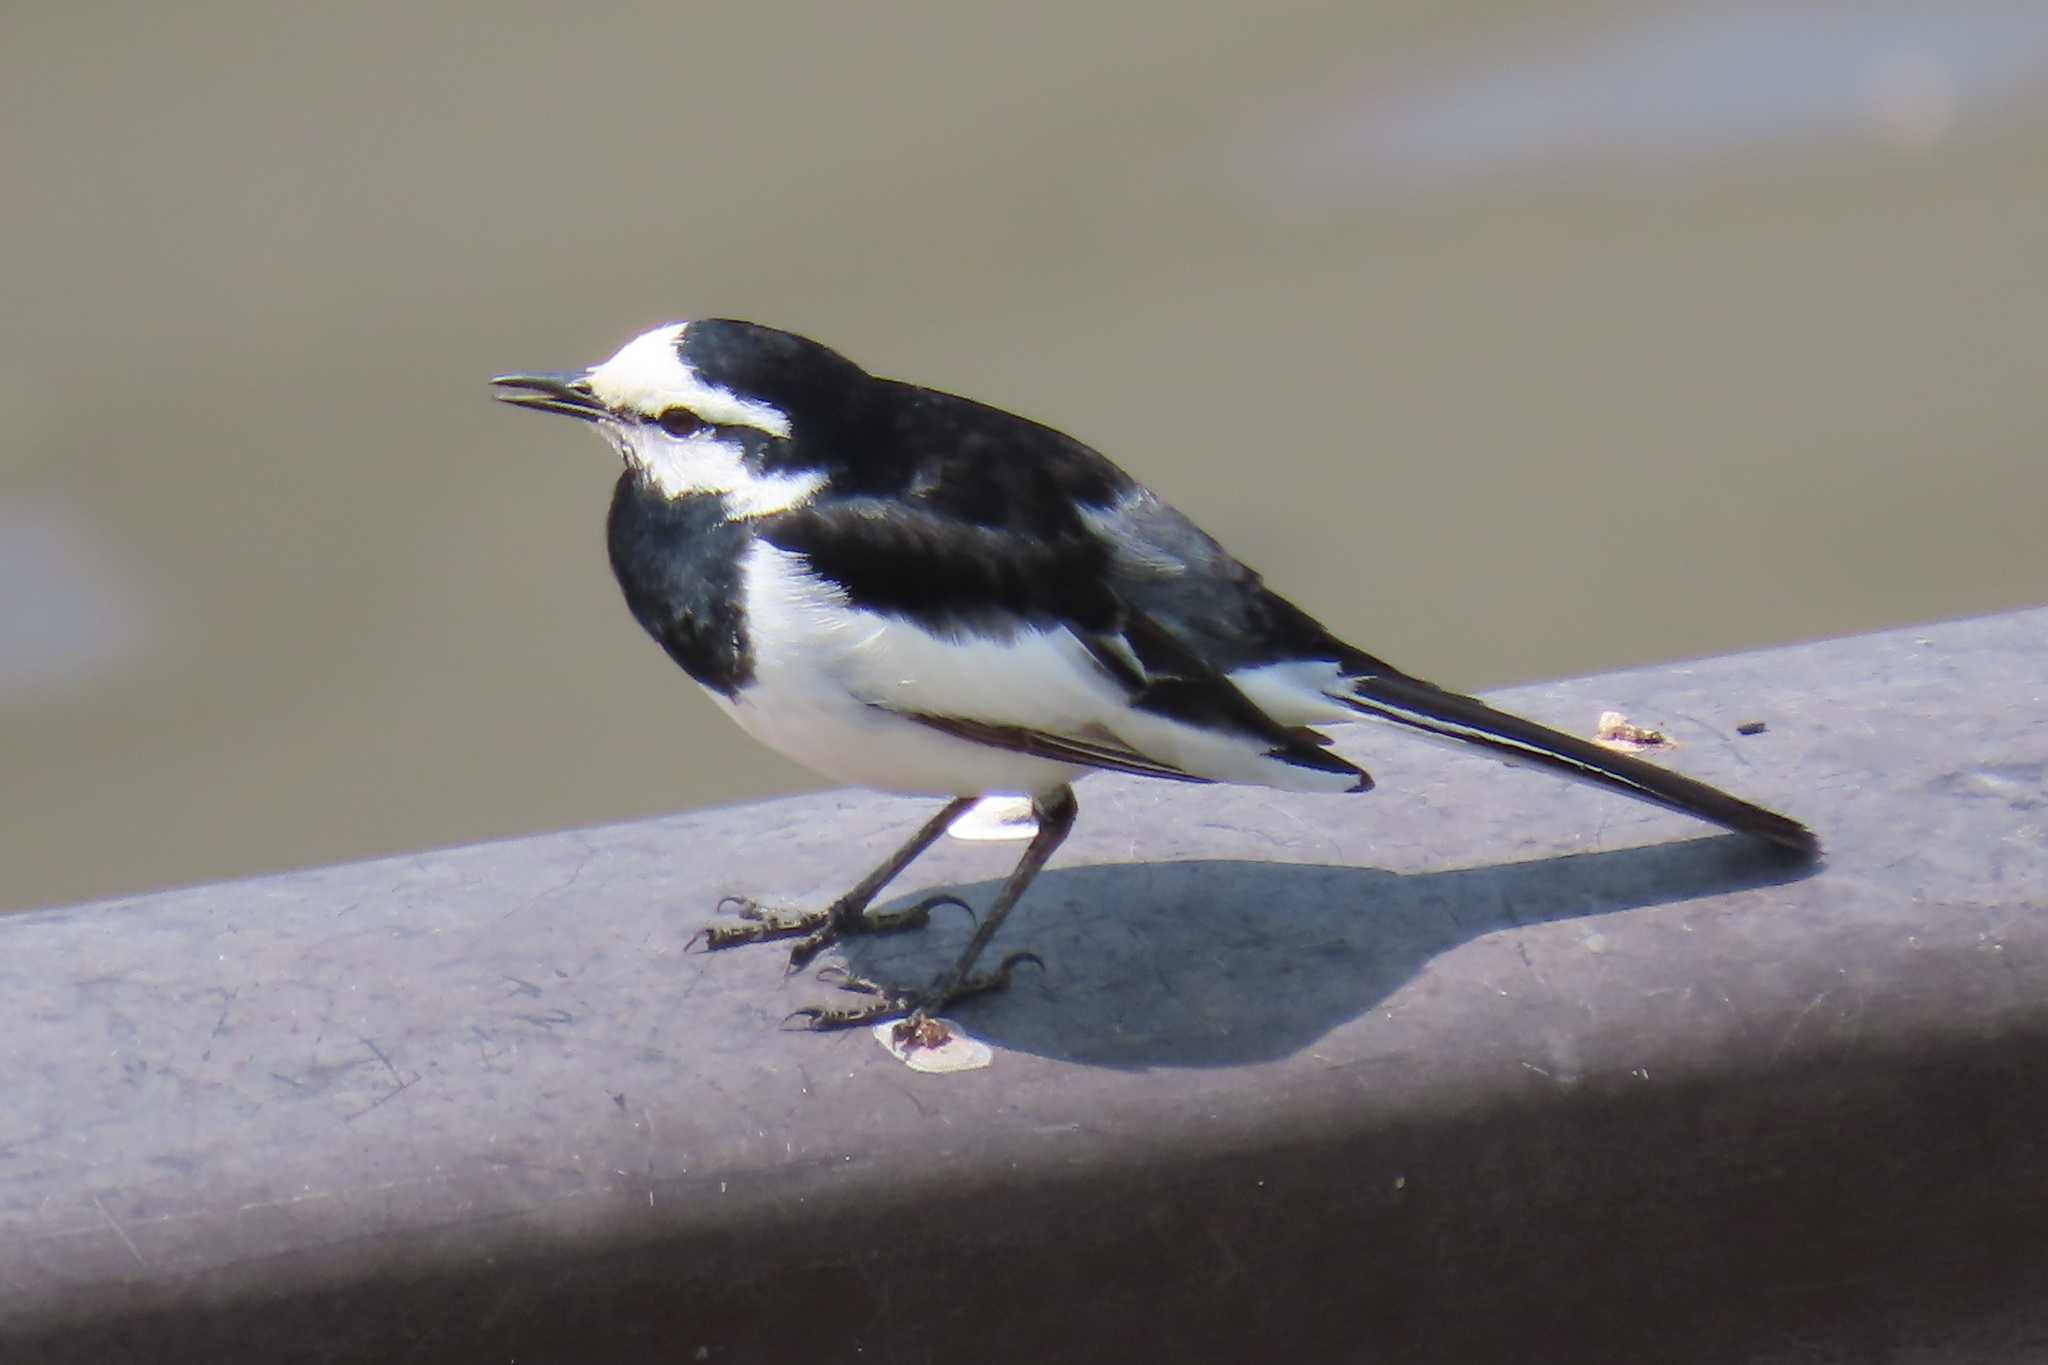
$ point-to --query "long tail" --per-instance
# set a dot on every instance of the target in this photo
(1424, 706)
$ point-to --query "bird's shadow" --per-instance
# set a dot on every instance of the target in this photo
(1212, 962)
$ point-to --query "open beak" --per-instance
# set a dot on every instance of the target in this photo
(567, 392)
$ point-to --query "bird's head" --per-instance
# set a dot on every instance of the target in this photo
(716, 406)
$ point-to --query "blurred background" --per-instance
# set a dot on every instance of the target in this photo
(1514, 341)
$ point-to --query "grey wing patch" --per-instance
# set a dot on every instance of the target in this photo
(1103, 751)
(1166, 568)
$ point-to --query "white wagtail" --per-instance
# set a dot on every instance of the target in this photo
(914, 592)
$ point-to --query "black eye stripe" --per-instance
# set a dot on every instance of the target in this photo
(680, 422)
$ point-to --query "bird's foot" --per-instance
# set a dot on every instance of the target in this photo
(758, 923)
(814, 930)
(914, 1007)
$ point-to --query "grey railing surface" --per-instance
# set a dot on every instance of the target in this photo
(1479, 1066)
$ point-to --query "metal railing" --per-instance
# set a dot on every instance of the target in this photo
(1479, 1066)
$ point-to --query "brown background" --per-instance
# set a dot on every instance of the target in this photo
(1517, 341)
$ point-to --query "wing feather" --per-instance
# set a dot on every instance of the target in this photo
(1169, 714)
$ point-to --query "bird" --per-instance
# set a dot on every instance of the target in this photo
(911, 591)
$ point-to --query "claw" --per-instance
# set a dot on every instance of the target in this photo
(823, 1020)
(832, 974)
(923, 909)
(916, 916)
(1009, 964)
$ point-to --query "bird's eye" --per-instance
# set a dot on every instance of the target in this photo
(680, 422)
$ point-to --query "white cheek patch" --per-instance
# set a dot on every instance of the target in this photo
(648, 377)
(702, 463)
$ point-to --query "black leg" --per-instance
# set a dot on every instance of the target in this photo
(847, 915)
(1055, 811)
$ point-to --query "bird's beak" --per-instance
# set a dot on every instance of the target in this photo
(567, 392)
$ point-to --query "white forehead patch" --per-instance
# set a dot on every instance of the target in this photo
(648, 377)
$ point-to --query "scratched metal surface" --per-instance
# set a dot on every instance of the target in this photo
(1473, 1063)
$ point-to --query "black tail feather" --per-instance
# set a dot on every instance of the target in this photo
(1429, 708)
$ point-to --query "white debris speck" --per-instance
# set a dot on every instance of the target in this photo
(994, 819)
(915, 1048)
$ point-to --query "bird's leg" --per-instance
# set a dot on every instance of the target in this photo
(1055, 811)
(818, 929)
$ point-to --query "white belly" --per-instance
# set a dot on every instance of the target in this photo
(864, 747)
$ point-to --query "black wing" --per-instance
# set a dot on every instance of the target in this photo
(979, 466)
